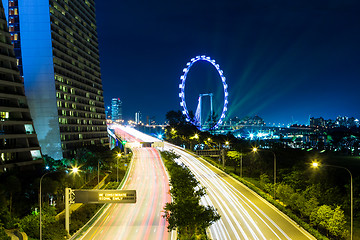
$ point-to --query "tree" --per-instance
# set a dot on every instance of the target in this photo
(321, 216)
(189, 217)
(284, 193)
(305, 207)
(235, 156)
(185, 212)
(266, 183)
(336, 224)
(13, 186)
(175, 118)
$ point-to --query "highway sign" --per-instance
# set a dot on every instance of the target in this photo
(105, 196)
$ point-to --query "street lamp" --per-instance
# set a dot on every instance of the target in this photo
(117, 167)
(255, 150)
(316, 165)
(98, 174)
(241, 164)
(73, 170)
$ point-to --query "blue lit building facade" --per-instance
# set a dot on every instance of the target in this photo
(116, 109)
(59, 57)
(19, 146)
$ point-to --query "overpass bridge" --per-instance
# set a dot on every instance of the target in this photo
(120, 136)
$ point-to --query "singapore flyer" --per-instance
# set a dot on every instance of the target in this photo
(196, 120)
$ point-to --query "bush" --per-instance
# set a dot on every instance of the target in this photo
(51, 229)
(3, 235)
(284, 193)
(30, 225)
(82, 215)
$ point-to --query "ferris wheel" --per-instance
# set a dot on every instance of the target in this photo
(197, 120)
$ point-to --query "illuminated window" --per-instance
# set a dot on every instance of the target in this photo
(4, 115)
(29, 129)
(16, 11)
(15, 36)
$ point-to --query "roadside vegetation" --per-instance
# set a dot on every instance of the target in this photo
(185, 213)
(19, 192)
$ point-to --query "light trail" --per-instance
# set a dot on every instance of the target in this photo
(142, 220)
(244, 215)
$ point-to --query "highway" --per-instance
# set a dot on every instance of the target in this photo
(142, 220)
(244, 215)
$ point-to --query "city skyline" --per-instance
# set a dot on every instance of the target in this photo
(283, 61)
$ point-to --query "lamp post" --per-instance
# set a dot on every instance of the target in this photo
(255, 150)
(117, 167)
(241, 164)
(98, 175)
(316, 165)
(74, 170)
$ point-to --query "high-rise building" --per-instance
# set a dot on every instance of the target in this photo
(317, 122)
(58, 52)
(138, 117)
(116, 109)
(18, 142)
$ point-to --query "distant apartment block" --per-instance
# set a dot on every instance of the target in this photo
(57, 50)
(340, 121)
(18, 141)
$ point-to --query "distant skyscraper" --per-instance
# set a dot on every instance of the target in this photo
(18, 142)
(57, 48)
(138, 117)
(116, 109)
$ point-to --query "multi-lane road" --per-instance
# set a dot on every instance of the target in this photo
(244, 215)
(142, 220)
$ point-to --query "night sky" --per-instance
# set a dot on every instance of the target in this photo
(283, 60)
